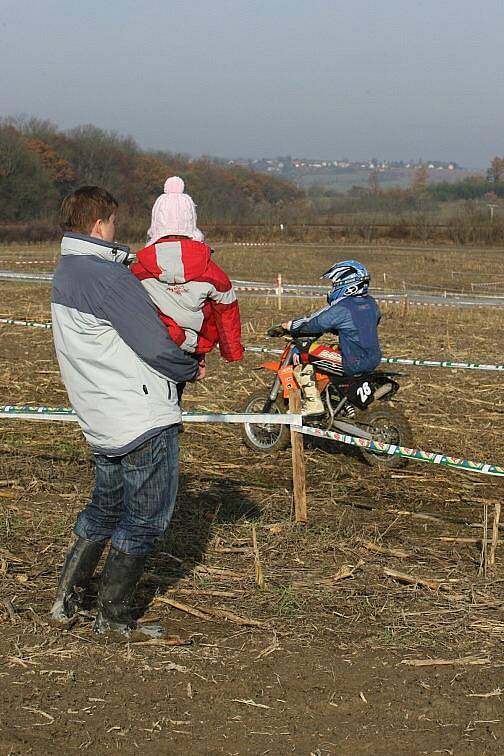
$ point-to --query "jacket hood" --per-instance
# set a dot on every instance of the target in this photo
(80, 244)
(175, 261)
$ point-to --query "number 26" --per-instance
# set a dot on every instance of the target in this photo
(364, 392)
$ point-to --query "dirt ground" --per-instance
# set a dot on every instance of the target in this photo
(311, 663)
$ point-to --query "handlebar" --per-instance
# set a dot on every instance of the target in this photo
(300, 342)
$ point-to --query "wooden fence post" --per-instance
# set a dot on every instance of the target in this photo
(298, 463)
(495, 533)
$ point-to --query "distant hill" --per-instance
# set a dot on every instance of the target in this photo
(340, 176)
(342, 181)
(40, 164)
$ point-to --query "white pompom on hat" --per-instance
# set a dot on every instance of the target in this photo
(174, 213)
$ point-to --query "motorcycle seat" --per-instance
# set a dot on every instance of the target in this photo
(380, 375)
(347, 378)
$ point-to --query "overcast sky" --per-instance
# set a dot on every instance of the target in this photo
(394, 79)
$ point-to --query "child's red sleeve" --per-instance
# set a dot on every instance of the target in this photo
(226, 313)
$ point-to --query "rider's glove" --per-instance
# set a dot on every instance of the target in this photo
(277, 330)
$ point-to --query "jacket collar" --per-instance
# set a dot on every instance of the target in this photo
(80, 244)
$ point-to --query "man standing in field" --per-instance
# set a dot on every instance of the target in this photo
(120, 369)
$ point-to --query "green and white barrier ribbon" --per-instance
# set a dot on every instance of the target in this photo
(410, 361)
(435, 458)
(457, 463)
(38, 413)
(29, 323)
(441, 364)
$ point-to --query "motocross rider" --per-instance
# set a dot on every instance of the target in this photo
(351, 314)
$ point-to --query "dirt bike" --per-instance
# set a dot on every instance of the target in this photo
(353, 405)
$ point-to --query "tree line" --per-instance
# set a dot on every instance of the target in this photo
(40, 164)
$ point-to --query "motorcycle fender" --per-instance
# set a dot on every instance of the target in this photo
(322, 381)
(289, 383)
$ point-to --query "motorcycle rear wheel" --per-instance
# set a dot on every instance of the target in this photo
(388, 425)
(265, 437)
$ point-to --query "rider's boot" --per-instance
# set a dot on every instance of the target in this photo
(312, 404)
(80, 564)
(120, 577)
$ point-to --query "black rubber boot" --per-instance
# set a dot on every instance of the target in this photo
(120, 577)
(80, 564)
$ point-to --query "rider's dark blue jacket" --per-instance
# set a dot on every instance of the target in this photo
(355, 321)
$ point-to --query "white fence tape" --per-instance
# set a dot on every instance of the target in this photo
(47, 261)
(68, 415)
(308, 290)
(12, 275)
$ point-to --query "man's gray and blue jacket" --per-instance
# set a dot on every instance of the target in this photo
(355, 321)
(117, 361)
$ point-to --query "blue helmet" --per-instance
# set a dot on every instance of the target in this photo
(350, 278)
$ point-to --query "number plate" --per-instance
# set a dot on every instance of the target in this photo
(361, 392)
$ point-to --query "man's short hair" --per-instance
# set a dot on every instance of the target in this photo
(81, 209)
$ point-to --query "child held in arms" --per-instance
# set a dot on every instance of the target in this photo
(195, 298)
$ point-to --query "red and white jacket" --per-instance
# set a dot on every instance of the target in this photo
(195, 298)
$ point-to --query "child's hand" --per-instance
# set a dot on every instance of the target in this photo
(201, 369)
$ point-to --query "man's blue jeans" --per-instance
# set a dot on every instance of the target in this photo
(134, 495)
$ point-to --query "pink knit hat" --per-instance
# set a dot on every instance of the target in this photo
(174, 213)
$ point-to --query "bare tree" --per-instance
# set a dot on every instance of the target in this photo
(495, 172)
(420, 179)
(374, 182)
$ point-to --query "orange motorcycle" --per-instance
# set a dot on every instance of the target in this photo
(357, 405)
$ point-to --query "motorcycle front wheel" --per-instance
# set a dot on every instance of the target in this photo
(265, 437)
(387, 425)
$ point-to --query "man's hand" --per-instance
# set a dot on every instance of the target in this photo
(277, 330)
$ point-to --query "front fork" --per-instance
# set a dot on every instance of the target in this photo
(277, 382)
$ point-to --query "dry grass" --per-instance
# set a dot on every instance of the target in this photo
(393, 265)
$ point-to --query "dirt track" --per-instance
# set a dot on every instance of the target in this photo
(325, 672)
